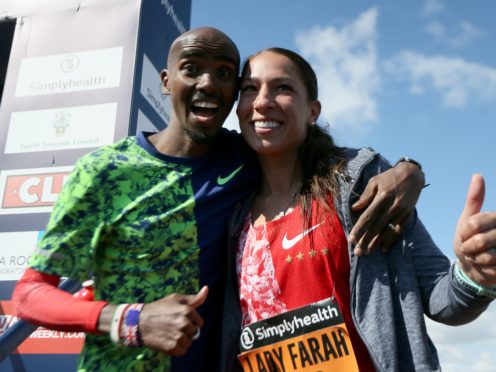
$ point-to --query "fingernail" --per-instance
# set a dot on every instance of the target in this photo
(357, 251)
(351, 239)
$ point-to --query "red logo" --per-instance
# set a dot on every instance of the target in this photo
(32, 190)
(41, 341)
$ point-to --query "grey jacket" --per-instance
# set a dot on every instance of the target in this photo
(390, 293)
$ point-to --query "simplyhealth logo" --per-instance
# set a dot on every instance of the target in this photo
(309, 318)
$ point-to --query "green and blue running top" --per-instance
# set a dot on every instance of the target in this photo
(145, 225)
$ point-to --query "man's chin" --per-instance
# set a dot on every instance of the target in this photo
(203, 137)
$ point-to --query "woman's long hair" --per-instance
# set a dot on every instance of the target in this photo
(320, 160)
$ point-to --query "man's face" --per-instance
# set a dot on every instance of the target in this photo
(202, 80)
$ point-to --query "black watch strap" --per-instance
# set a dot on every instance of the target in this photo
(408, 160)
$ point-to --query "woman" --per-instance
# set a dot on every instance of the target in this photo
(289, 247)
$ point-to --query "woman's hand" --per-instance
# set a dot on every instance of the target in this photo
(475, 237)
(386, 202)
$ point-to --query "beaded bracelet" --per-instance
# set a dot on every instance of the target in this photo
(468, 283)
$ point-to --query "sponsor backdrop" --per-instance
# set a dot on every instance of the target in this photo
(79, 77)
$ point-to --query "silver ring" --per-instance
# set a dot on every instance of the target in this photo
(196, 336)
(392, 227)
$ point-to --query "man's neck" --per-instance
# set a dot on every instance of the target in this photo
(172, 141)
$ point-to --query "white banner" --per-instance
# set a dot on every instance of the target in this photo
(16, 249)
(61, 129)
(65, 73)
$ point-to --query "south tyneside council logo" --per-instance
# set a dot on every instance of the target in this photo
(61, 122)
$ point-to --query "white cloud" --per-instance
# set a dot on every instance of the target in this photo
(437, 30)
(432, 6)
(458, 81)
(469, 347)
(345, 61)
(349, 71)
(468, 33)
(464, 34)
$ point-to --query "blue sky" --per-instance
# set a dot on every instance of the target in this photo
(410, 78)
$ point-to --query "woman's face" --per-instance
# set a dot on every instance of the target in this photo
(274, 110)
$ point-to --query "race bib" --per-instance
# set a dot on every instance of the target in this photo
(311, 338)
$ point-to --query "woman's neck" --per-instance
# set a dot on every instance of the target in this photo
(281, 182)
(279, 174)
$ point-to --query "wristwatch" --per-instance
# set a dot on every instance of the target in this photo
(408, 160)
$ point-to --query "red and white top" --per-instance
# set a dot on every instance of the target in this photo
(284, 264)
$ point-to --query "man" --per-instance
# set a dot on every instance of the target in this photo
(146, 219)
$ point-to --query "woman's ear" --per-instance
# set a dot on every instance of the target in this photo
(315, 108)
(164, 76)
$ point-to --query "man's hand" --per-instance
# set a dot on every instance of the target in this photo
(169, 324)
(386, 202)
(475, 237)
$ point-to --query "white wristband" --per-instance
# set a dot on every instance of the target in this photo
(115, 325)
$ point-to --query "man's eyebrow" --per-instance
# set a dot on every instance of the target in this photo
(192, 53)
(228, 58)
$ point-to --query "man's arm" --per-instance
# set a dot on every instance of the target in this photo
(386, 203)
(168, 325)
(37, 300)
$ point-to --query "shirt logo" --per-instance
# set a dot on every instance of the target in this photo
(223, 180)
(290, 243)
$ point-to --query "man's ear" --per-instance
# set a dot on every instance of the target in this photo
(164, 77)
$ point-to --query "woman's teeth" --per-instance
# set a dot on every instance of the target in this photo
(266, 124)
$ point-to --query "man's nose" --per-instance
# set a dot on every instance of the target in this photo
(205, 81)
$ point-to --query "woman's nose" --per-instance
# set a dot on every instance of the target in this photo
(263, 99)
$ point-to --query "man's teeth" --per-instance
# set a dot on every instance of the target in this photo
(206, 105)
(266, 124)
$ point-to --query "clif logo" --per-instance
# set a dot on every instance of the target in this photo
(32, 192)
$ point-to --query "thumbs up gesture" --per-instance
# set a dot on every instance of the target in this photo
(475, 237)
(171, 324)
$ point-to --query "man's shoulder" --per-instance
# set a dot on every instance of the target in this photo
(110, 155)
